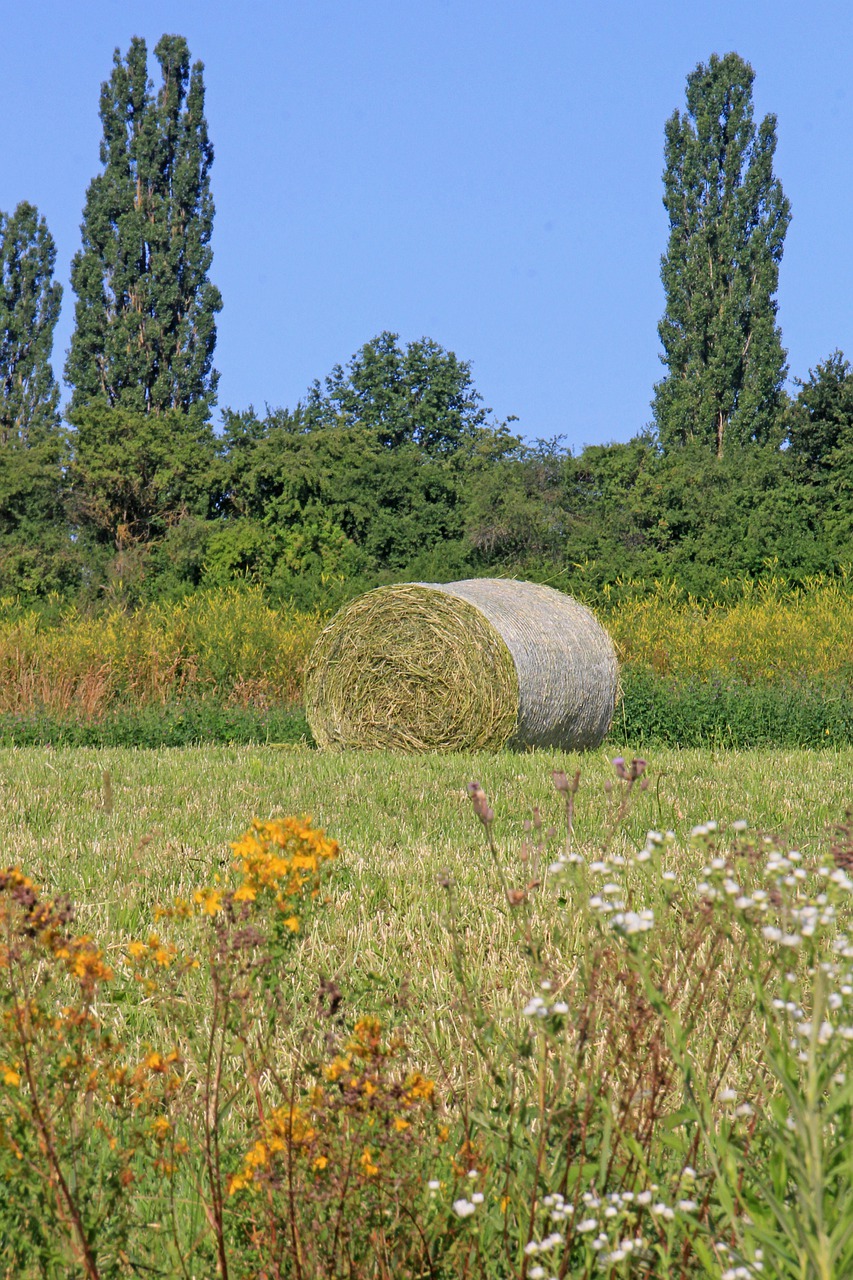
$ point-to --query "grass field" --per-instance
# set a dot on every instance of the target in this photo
(164, 823)
(450, 947)
(169, 815)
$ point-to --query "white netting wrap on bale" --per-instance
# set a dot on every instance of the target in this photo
(462, 665)
(568, 674)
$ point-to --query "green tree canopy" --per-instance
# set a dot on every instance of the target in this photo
(421, 395)
(820, 424)
(727, 221)
(145, 327)
(820, 448)
(135, 475)
(29, 309)
(390, 503)
(35, 551)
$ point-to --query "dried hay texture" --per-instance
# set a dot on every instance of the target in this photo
(463, 666)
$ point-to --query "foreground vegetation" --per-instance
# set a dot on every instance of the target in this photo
(494, 1044)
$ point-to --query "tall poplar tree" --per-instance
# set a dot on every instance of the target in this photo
(29, 308)
(145, 312)
(34, 548)
(727, 221)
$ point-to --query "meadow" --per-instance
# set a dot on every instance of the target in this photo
(274, 1012)
(537, 1029)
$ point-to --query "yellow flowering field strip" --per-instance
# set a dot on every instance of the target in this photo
(230, 645)
(765, 635)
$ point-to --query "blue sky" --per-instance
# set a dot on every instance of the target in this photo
(484, 172)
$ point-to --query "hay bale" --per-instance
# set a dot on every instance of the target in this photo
(462, 666)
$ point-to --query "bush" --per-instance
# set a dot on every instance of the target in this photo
(177, 724)
(727, 711)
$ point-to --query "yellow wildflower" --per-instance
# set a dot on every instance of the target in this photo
(366, 1036)
(210, 900)
(160, 1128)
(258, 1156)
(336, 1068)
(419, 1089)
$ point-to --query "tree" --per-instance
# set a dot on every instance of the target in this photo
(391, 503)
(820, 449)
(145, 328)
(35, 553)
(423, 395)
(727, 217)
(134, 475)
(820, 424)
(29, 309)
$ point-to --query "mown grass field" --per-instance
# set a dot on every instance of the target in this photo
(161, 825)
(164, 818)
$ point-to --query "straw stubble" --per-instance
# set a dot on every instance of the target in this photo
(406, 668)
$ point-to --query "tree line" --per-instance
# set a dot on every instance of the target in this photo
(392, 467)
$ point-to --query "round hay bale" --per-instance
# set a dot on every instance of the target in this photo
(461, 666)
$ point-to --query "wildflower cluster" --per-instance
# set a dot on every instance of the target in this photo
(350, 1149)
(73, 1114)
(91, 1120)
(151, 960)
(612, 901)
(348, 1121)
(28, 917)
(601, 1231)
(279, 867)
(281, 863)
(464, 1207)
(543, 1006)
